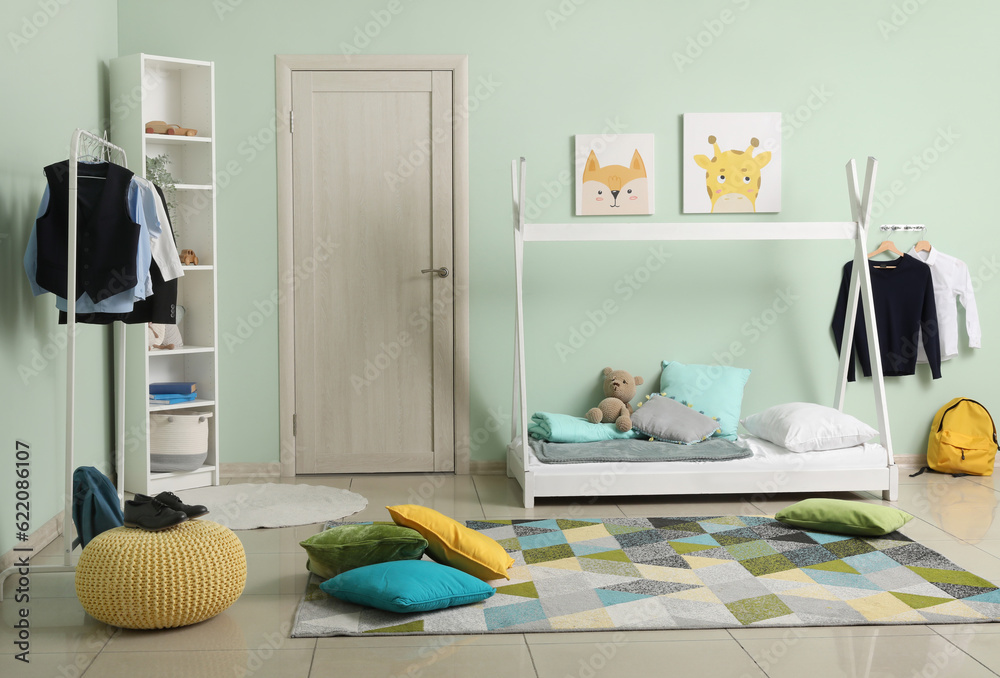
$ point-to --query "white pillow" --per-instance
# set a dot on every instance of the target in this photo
(807, 427)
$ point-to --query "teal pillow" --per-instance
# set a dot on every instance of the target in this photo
(408, 586)
(840, 516)
(345, 547)
(714, 390)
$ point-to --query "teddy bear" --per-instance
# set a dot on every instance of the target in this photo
(619, 387)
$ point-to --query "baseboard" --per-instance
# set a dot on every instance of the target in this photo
(36, 541)
(251, 470)
(910, 460)
(487, 468)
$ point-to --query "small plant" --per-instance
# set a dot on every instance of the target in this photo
(157, 172)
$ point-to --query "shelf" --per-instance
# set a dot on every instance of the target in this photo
(197, 402)
(176, 139)
(183, 350)
(753, 230)
(200, 469)
(180, 91)
(173, 63)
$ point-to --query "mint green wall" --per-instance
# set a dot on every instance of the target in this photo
(54, 78)
(852, 78)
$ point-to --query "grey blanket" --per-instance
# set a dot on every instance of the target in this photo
(713, 449)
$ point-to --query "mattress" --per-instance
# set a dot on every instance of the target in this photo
(766, 457)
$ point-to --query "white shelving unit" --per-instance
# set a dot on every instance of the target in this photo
(176, 91)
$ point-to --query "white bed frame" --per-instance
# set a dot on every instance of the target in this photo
(560, 480)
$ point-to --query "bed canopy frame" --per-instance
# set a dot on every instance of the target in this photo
(561, 480)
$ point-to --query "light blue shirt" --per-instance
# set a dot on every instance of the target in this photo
(142, 210)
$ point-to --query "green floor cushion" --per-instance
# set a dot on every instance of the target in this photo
(346, 547)
(843, 517)
(408, 586)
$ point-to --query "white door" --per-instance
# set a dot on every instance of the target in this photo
(372, 209)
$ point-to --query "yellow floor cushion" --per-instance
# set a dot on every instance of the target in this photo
(135, 579)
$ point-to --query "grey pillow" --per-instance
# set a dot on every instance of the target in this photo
(666, 419)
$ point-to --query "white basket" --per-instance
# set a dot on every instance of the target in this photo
(178, 441)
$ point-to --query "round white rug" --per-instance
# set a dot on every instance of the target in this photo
(247, 506)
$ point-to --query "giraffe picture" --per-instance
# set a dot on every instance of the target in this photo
(732, 162)
(614, 174)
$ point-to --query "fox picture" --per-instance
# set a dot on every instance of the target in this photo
(615, 189)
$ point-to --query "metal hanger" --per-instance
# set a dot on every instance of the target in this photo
(94, 152)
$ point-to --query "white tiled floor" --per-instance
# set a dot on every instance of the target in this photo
(954, 516)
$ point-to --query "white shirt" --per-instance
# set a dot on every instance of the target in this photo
(951, 280)
(164, 252)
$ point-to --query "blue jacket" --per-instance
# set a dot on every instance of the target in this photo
(95, 504)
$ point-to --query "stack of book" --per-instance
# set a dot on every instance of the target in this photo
(172, 392)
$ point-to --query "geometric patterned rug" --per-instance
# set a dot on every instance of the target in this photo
(684, 573)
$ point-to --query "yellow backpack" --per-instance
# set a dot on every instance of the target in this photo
(963, 439)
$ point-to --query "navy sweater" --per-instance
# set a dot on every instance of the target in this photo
(904, 306)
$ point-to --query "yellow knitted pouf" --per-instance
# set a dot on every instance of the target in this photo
(135, 579)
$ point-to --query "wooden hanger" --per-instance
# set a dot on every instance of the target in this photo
(886, 246)
(922, 246)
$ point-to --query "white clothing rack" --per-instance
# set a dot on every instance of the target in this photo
(561, 483)
(105, 149)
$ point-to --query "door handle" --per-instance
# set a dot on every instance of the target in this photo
(443, 272)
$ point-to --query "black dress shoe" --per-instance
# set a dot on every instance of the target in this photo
(171, 500)
(151, 515)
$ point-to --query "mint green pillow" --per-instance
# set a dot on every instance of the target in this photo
(408, 586)
(346, 547)
(714, 390)
(840, 516)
